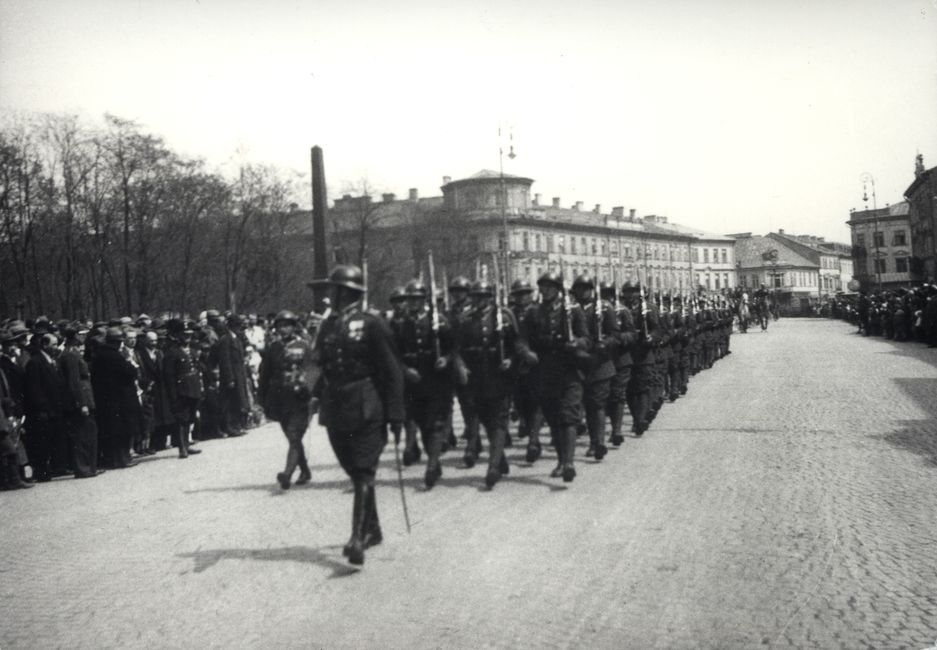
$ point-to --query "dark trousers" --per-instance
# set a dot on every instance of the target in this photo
(42, 437)
(595, 397)
(493, 413)
(83, 435)
(294, 424)
(429, 409)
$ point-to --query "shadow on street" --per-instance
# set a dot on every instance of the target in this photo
(918, 436)
(303, 554)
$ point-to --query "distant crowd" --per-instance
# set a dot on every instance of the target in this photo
(901, 314)
(80, 397)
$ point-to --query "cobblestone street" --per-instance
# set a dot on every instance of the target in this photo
(789, 500)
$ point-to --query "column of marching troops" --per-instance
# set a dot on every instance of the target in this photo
(575, 358)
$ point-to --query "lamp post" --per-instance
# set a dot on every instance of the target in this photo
(866, 177)
(504, 214)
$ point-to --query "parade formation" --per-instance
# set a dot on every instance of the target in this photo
(575, 355)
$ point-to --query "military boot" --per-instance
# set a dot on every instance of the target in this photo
(569, 469)
(359, 523)
(616, 414)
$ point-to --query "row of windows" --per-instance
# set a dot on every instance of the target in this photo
(899, 238)
(545, 243)
(716, 254)
(881, 266)
(713, 281)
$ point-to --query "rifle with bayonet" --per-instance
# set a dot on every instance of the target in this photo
(499, 316)
(434, 309)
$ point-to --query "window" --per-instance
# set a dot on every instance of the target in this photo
(860, 240)
(709, 283)
(696, 255)
(755, 282)
(725, 256)
(725, 280)
(900, 240)
(717, 287)
(901, 264)
(778, 277)
(880, 266)
(585, 247)
(525, 238)
(879, 240)
(705, 256)
(561, 243)
(595, 248)
(572, 245)
(549, 243)
(628, 252)
(502, 242)
(537, 242)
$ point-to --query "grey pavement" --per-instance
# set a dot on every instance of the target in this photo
(788, 501)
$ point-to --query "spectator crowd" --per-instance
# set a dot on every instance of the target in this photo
(77, 398)
(901, 315)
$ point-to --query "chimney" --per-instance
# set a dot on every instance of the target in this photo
(556, 201)
(446, 180)
(598, 208)
(780, 231)
(389, 197)
(413, 194)
(578, 206)
(346, 197)
(536, 199)
(631, 213)
(618, 211)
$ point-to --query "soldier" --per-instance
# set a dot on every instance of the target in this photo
(682, 321)
(604, 332)
(621, 359)
(487, 340)
(395, 318)
(556, 332)
(183, 381)
(287, 377)
(530, 418)
(643, 356)
(460, 304)
(426, 355)
(360, 392)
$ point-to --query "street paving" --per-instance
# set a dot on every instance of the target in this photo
(789, 500)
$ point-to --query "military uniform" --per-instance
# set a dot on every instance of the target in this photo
(644, 360)
(621, 359)
(361, 390)
(288, 373)
(183, 382)
(557, 334)
(458, 310)
(530, 418)
(429, 389)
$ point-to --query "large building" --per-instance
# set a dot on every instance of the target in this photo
(833, 260)
(490, 218)
(790, 277)
(882, 246)
(922, 219)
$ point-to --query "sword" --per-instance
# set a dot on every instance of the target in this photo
(403, 495)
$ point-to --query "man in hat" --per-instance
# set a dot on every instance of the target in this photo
(556, 331)
(288, 374)
(79, 404)
(113, 378)
(360, 393)
(44, 406)
(232, 375)
(12, 380)
(183, 381)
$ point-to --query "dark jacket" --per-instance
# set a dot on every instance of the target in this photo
(288, 374)
(77, 381)
(43, 389)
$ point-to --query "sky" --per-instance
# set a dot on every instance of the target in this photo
(727, 116)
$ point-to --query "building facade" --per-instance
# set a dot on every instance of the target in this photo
(491, 219)
(922, 219)
(833, 260)
(791, 278)
(882, 248)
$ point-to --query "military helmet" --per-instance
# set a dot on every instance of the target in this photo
(584, 280)
(606, 288)
(521, 286)
(482, 288)
(285, 316)
(348, 276)
(630, 287)
(460, 283)
(398, 294)
(415, 289)
(551, 277)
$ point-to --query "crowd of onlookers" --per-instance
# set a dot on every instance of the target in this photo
(78, 397)
(901, 314)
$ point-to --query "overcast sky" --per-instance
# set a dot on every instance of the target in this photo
(726, 116)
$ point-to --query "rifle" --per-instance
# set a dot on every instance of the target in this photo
(567, 306)
(644, 312)
(445, 290)
(615, 289)
(499, 317)
(434, 310)
(597, 306)
(364, 273)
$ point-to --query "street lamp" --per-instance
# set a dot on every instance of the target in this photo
(866, 177)
(504, 215)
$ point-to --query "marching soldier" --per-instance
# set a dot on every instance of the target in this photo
(529, 415)
(487, 340)
(556, 332)
(360, 392)
(643, 357)
(395, 318)
(460, 304)
(621, 358)
(426, 354)
(287, 376)
(682, 351)
(603, 329)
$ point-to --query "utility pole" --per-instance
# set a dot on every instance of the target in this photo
(868, 178)
(320, 262)
(507, 275)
